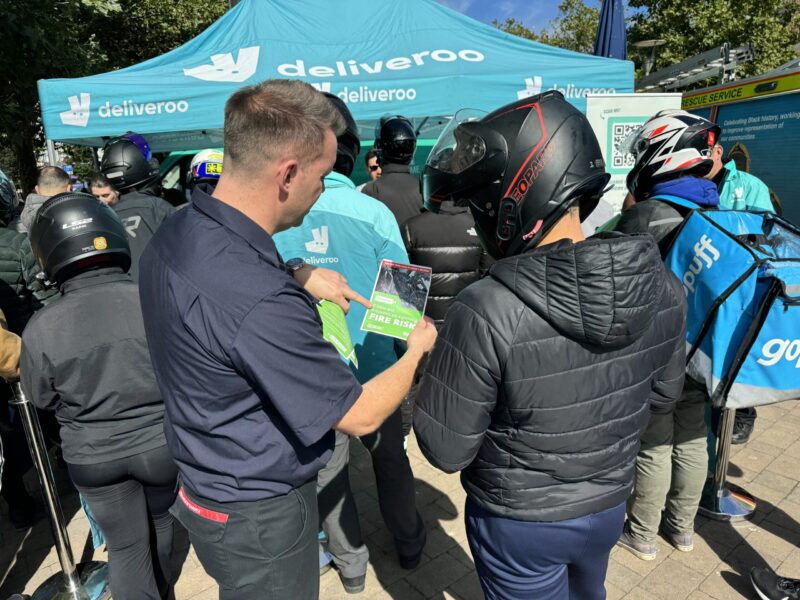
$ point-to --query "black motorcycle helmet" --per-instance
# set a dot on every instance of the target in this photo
(129, 163)
(348, 144)
(73, 233)
(395, 140)
(519, 169)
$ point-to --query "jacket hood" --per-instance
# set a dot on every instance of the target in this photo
(33, 202)
(694, 189)
(603, 292)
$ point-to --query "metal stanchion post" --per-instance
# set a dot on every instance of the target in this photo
(721, 500)
(87, 581)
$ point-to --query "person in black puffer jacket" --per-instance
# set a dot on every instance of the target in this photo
(20, 291)
(448, 243)
(546, 370)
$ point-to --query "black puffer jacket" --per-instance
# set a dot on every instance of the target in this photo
(446, 242)
(545, 373)
(20, 293)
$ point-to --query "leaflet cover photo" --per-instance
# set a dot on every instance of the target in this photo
(398, 299)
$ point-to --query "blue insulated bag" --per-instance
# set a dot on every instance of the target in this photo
(741, 274)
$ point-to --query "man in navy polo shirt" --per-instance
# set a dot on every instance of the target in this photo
(252, 390)
(353, 233)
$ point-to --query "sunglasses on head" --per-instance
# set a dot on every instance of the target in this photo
(374, 168)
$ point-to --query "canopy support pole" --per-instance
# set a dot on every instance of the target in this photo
(52, 157)
(723, 501)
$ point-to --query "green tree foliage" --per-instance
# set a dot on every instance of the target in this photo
(143, 29)
(43, 39)
(772, 26)
(575, 27)
(38, 41)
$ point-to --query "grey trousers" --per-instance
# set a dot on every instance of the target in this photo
(338, 513)
(396, 497)
(671, 469)
(264, 550)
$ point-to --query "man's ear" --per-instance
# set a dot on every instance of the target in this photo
(287, 172)
(36, 189)
(69, 188)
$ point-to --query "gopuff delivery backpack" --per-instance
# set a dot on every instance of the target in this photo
(740, 271)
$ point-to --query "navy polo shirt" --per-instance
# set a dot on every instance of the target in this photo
(251, 388)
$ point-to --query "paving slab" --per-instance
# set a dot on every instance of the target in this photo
(716, 570)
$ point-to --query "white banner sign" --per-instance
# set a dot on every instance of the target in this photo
(614, 116)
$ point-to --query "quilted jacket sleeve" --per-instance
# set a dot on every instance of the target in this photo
(669, 382)
(458, 391)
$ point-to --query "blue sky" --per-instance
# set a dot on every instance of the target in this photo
(534, 14)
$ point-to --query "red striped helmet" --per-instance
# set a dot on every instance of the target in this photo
(671, 144)
(519, 169)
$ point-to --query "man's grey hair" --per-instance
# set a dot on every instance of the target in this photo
(52, 180)
(266, 121)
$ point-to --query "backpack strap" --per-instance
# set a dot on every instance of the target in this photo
(677, 202)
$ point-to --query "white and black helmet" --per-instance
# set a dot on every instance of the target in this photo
(671, 144)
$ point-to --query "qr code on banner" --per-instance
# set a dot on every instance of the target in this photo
(619, 159)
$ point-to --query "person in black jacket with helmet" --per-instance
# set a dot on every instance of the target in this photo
(397, 188)
(85, 357)
(130, 168)
(547, 369)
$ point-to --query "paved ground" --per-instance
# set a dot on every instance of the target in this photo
(716, 569)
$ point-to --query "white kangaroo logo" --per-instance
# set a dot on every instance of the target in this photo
(319, 245)
(224, 68)
(533, 86)
(78, 113)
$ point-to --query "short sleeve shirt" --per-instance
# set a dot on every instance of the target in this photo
(251, 388)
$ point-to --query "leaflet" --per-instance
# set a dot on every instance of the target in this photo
(334, 329)
(398, 299)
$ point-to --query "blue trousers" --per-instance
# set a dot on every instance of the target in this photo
(560, 560)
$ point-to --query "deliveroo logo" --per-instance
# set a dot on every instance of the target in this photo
(533, 86)
(78, 113)
(224, 68)
(318, 245)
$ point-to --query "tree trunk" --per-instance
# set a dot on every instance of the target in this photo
(26, 155)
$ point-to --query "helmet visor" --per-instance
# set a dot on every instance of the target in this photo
(460, 146)
(141, 143)
(633, 143)
(137, 140)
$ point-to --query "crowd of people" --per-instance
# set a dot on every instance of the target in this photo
(181, 350)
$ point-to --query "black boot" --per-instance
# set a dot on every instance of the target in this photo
(743, 425)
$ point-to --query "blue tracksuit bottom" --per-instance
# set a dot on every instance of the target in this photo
(527, 560)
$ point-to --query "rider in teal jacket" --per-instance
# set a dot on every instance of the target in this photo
(351, 233)
(737, 189)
